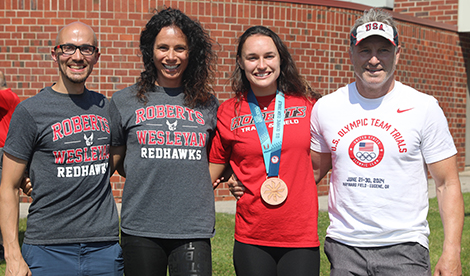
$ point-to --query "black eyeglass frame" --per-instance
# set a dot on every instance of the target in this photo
(95, 49)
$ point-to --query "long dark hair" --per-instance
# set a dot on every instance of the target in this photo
(201, 58)
(289, 81)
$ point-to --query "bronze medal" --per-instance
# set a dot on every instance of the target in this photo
(274, 191)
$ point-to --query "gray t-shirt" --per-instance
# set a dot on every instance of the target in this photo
(65, 139)
(168, 192)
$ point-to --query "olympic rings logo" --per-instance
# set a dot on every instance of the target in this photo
(365, 156)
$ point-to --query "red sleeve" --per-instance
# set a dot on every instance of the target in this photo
(221, 147)
(8, 99)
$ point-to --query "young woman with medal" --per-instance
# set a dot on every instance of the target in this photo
(161, 128)
(263, 133)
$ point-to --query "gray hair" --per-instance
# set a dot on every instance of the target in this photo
(372, 15)
(376, 15)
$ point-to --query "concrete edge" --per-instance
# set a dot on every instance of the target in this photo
(229, 207)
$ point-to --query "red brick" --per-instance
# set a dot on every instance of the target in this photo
(317, 37)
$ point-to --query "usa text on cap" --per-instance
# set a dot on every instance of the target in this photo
(374, 28)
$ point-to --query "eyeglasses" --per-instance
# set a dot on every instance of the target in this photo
(69, 49)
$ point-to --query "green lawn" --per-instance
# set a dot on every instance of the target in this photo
(223, 241)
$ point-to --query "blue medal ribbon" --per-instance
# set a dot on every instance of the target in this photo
(271, 151)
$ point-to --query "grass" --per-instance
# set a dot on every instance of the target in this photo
(437, 235)
(222, 243)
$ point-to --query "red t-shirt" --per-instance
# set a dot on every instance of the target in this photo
(294, 222)
(8, 102)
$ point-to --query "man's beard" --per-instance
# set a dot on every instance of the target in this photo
(79, 80)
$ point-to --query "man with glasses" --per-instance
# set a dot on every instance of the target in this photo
(61, 137)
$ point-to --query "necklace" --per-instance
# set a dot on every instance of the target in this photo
(265, 107)
(265, 101)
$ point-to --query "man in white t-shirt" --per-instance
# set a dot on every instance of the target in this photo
(381, 137)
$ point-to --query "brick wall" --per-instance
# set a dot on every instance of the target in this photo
(444, 11)
(433, 60)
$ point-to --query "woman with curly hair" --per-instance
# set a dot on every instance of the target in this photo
(263, 133)
(161, 128)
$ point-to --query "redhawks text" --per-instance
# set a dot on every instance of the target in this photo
(80, 156)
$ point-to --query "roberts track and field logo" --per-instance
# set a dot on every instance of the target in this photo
(366, 151)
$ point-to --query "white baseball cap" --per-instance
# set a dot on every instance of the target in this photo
(374, 28)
